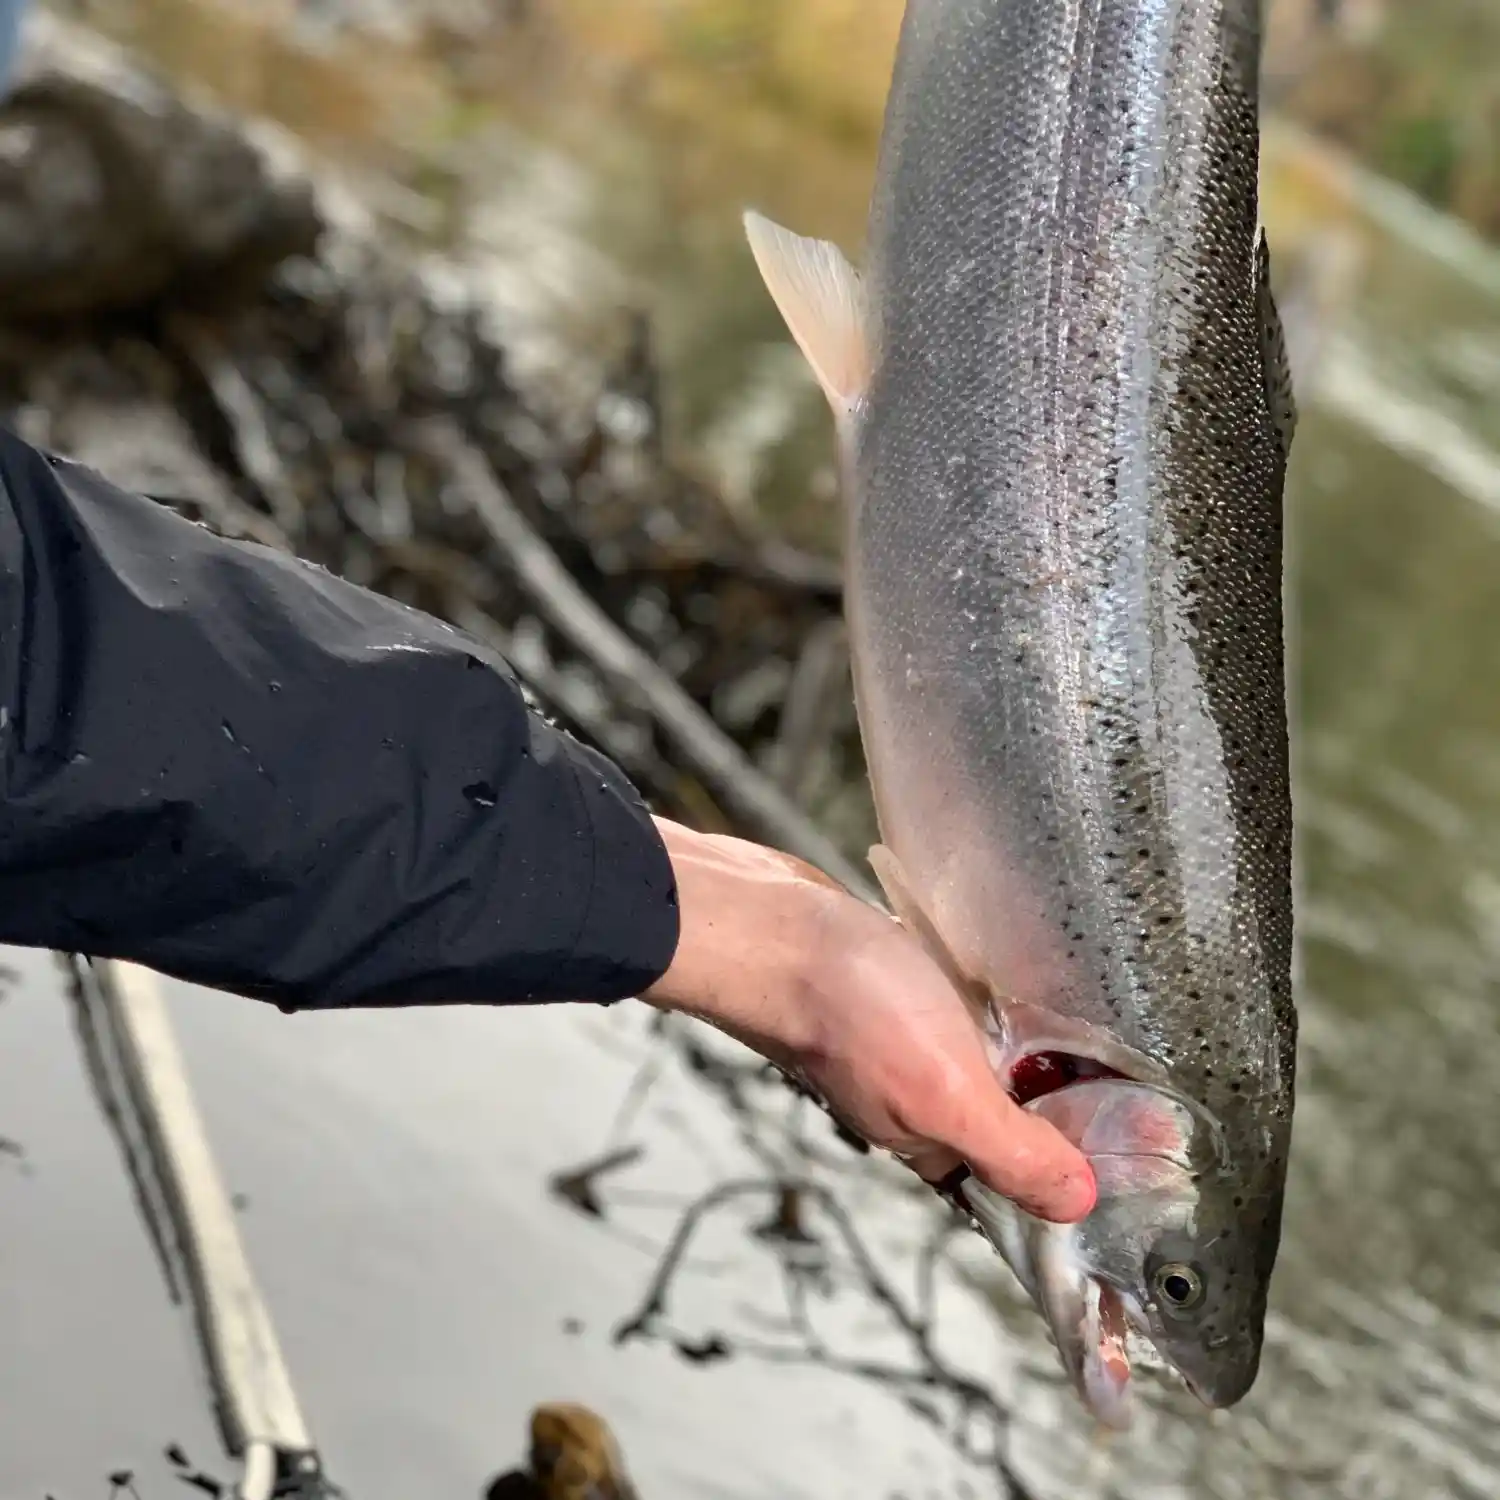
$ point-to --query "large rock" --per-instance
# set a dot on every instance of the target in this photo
(114, 190)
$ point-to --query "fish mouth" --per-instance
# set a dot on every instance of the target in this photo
(1103, 1368)
(1091, 1322)
(1100, 1364)
(1090, 1319)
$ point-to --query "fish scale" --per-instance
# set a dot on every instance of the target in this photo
(1064, 417)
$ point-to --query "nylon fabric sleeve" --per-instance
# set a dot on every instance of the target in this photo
(233, 767)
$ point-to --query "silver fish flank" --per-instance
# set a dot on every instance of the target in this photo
(1064, 413)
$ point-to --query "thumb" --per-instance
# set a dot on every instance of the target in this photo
(1024, 1158)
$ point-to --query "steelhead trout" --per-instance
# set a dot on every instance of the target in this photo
(1064, 412)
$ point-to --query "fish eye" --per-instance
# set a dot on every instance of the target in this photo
(1178, 1285)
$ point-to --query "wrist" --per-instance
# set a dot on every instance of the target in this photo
(749, 935)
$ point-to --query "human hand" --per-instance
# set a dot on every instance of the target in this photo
(844, 998)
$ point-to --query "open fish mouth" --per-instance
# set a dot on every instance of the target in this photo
(1104, 1371)
(1116, 1336)
(1102, 1337)
(1091, 1325)
(1090, 1320)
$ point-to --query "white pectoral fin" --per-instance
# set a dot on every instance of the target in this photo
(822, 299)
(909, 913)
(892, 880)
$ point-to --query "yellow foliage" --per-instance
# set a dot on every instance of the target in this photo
(825, 61)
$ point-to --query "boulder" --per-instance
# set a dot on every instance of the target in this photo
(116, 190)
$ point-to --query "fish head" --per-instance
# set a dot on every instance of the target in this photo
(1164, 1254)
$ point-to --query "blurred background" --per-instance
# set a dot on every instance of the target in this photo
(242, 243)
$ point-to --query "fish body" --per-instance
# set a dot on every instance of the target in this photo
(1064, 417)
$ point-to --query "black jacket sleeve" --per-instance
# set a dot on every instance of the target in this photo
(231, 766)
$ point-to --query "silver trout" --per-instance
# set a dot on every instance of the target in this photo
(1064, 412)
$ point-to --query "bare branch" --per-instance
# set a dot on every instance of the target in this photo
(242, 413)
(654, 1305)
(976, 1403)
(811, 699)
(578, 1186)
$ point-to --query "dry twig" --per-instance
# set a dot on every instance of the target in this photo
(928, 1373)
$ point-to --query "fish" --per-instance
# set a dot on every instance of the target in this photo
(1063, 416)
